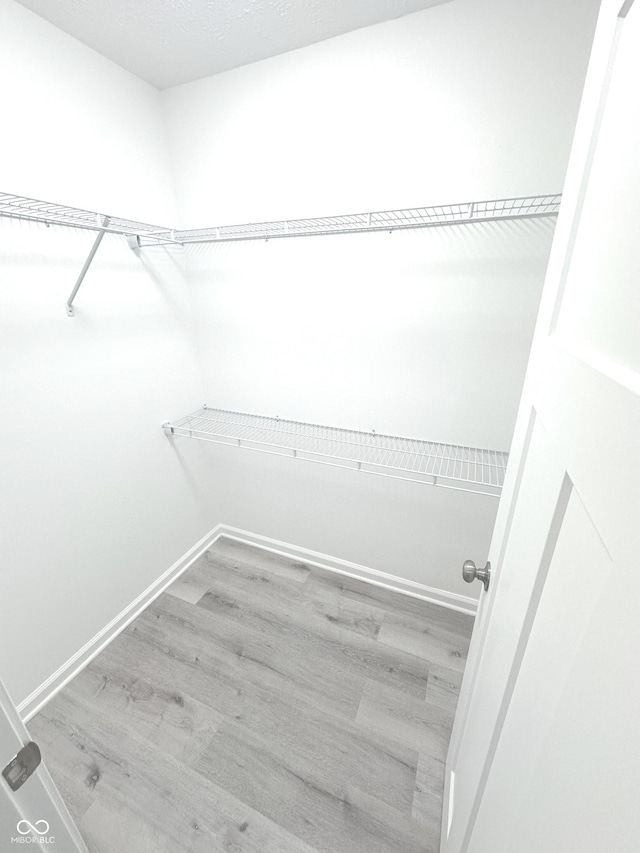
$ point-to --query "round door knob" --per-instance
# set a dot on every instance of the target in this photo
(470, 573)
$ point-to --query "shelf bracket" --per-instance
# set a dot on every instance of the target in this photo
(103, 222)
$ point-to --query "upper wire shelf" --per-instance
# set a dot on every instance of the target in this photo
(142, 234)
(49, 213)
(524, 207)
(450, 466)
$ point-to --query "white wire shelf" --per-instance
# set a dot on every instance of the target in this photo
(524, 207)
(141, 234)
(450, 466)
(49, 213)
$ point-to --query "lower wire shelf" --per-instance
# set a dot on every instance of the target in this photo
(450, 466)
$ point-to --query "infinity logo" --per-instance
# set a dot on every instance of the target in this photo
(41, 827)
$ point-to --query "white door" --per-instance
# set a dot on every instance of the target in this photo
(33, 814)
(544, 754)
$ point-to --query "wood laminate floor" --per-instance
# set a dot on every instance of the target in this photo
(262, 706)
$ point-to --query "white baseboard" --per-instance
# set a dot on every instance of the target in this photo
(462, 603)
(48, 689)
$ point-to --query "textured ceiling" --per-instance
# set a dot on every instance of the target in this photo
(168, 42)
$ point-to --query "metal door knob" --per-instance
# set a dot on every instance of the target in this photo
(470, 572)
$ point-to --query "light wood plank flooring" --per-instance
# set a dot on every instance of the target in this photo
(262, 706)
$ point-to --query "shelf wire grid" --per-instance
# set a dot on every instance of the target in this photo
(49, 213)
(525, 207)
(451, 466)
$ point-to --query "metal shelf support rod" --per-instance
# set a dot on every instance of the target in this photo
(96, 244)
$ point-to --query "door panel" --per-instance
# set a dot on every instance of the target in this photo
(556, 768)
(529, 547)
(595, 422)
(592, 311)
(36, 810)
(579, 571)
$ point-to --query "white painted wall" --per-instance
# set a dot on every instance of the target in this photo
(408, 530)
(95, 502)
(420, 333)
(77, 128)
(472, 99)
